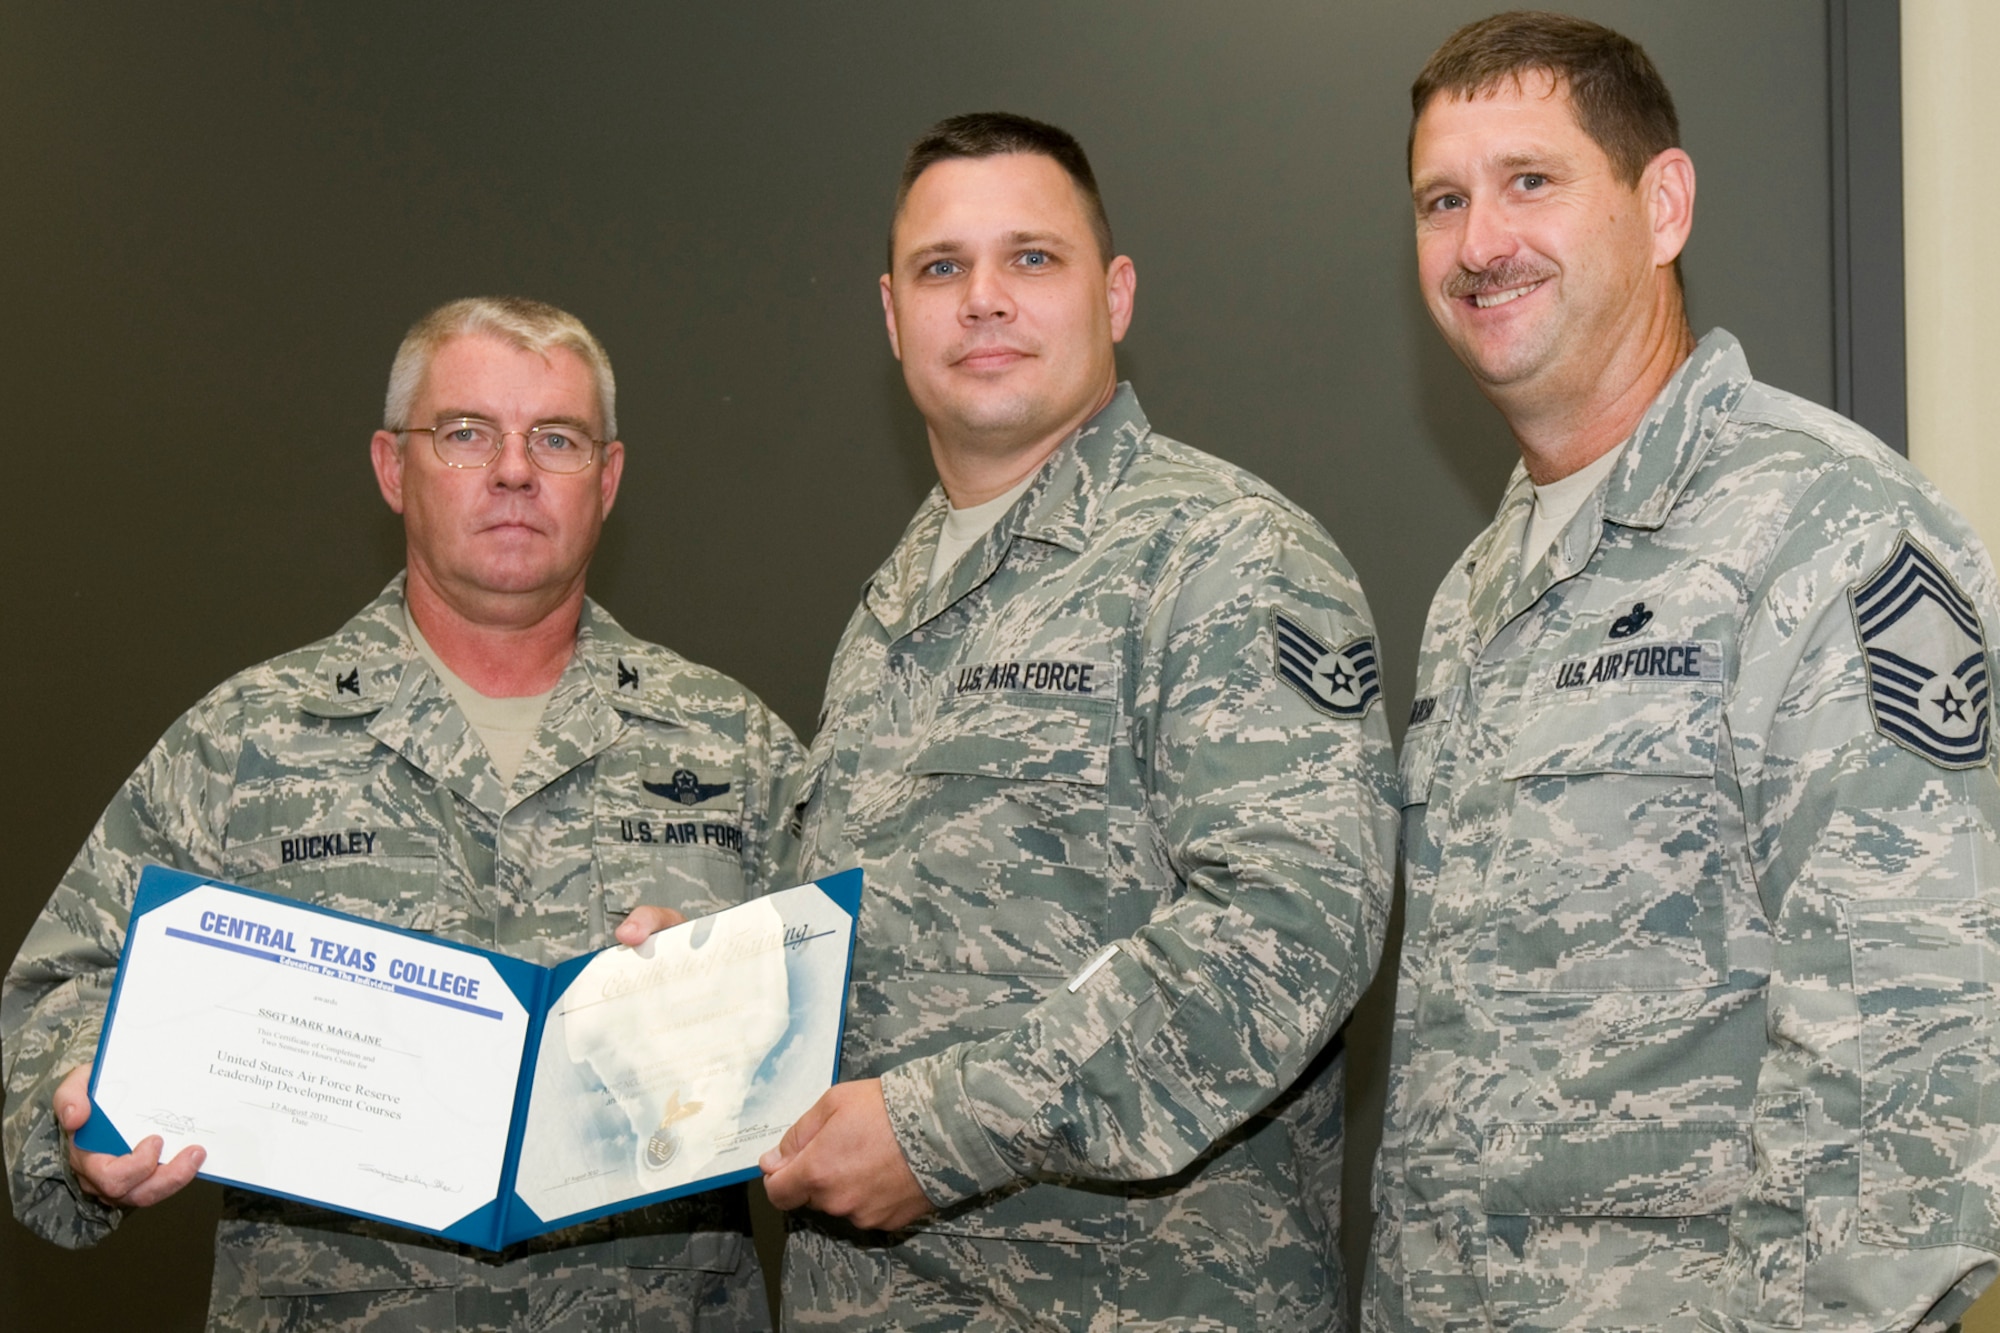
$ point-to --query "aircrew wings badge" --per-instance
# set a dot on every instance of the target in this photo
(687, 788)
(1343, 682)
(1925, 653)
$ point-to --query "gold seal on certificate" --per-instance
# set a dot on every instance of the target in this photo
(665, 1144)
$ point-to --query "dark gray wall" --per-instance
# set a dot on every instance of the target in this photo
(1865, 169)
(218, 227)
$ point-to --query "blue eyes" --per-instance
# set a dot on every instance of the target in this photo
(948, 268)
(1446, 203)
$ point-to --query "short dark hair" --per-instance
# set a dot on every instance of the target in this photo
(1620, 100)
(993, 134)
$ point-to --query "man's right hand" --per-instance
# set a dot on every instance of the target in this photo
(135, 1180)
(643, 923)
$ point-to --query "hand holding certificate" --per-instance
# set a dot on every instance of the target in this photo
(384, 1073)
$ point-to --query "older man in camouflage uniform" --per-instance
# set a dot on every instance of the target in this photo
(1114, 766)
(500, 764)
(1695, 1016)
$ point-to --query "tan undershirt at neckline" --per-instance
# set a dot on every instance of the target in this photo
(1558, 502)
(504, 726)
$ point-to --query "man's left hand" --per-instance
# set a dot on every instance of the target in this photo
(842, 1159)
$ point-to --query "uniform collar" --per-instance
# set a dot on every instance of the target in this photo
(370, 666)
(1671, 440)
(1066, 503)
(1062, 508)
(626, 670)
(362, 667)
(1661, 456)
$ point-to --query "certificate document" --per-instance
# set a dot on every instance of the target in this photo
(330, 1059)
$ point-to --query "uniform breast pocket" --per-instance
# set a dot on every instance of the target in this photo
(1009, 834)
(383, 874)
(1608, 875)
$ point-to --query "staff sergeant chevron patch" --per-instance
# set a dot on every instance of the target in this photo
(1925, 652)
(1343, 683)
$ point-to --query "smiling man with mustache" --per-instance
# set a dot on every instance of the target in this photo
(1105, 734)
(1695, 1014)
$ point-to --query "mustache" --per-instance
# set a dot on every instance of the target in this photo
(1502, 275)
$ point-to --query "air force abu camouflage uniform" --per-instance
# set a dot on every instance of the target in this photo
(1141, 712)
(344, 775)
(1695, 1018)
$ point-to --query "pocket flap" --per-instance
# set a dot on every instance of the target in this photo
(697, 1251)
(1664, 731)
(1616, 1168)
(1019, 736)
(286, 1249)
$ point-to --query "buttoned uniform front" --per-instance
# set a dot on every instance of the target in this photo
(1079, 738)
(343, 774)
(1694, 1013)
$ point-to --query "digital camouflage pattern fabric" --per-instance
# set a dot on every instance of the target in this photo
(344, 775)
(1079, 739)
(1694, 1014)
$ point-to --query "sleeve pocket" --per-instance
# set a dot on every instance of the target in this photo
(1923, 983)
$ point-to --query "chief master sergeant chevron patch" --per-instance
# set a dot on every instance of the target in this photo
(1925, 652)
(1343, 683)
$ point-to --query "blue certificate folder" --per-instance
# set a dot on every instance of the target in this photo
(452, 1090)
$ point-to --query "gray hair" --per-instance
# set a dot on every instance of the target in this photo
(531, 326)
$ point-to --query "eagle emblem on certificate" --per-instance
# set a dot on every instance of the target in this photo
(665, 1144)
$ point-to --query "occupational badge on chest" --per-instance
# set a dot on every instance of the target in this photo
(1925, 654)
(685, 787)
(1342, 681)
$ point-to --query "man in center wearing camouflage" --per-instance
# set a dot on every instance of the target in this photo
(1105, 734)
(481, 752)
(1695, 1013)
